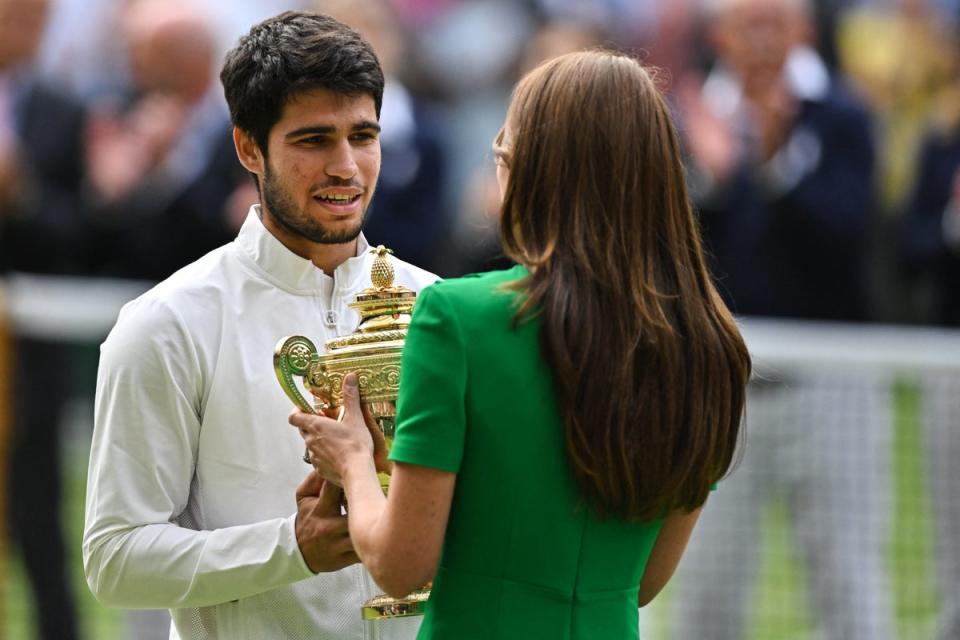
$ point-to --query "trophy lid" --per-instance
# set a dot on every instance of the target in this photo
(384, 308)
(372, 351)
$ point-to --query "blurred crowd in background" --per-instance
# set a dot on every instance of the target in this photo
(822, 139)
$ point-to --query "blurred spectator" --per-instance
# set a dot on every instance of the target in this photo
(417, 13)
(409, 212)
(781, 159)
(662, 34)
(556, 37)
(622, 19)
(41, 156)
(470, 53)
(672, 39)
(900, 90)
(41, 231)
(476, 237)
(162, 165)
(827, 13)
(231, 20)
(81, 48)
(473, 46)
(929, 232)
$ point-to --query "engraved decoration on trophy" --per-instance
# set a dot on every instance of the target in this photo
(373, 353)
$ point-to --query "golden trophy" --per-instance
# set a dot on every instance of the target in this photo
(373, 353)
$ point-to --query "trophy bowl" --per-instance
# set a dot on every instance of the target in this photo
(376, 363)
(373, 353)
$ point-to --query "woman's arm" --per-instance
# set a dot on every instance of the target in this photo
(666, 553)
(398, 539)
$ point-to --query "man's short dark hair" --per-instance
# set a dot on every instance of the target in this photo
(291, 53)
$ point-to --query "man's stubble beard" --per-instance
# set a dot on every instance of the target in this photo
(298, 222)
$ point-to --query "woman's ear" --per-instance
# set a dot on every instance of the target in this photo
(248, 151)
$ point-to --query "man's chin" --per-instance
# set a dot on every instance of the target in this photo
(328, 236)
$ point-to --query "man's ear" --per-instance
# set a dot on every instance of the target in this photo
(248, 151)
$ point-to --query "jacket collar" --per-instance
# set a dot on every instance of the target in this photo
(290, 271)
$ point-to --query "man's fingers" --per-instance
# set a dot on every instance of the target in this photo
(343, 544)
(340, 526)
(367, 414)
(311, 485)
(332, 412)
(329, 499)
(342, 560)
(379, 441)
(299, 419)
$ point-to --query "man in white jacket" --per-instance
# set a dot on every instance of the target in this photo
(197, 499)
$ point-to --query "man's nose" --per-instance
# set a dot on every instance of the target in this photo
(341, 163)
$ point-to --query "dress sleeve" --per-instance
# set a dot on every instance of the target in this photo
(431, 419)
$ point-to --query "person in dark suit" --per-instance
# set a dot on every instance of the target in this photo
(930, 229)
(783, 154)
(42, 231)
(41, 158)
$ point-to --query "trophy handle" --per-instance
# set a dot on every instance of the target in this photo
(293, 357)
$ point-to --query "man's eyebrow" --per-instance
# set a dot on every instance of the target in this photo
(364, 125)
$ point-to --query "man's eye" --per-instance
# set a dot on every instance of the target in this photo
(363, 137)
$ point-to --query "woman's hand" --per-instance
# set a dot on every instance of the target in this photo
(332, 444)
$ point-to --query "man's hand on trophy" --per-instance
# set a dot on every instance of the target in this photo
(332, 444)
(321, 527)
(380, 448)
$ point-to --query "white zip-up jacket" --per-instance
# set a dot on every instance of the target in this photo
(193, 466)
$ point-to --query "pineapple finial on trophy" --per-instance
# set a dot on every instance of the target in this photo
(372, 350)
(382, 273)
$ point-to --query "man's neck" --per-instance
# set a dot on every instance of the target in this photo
(328, 257)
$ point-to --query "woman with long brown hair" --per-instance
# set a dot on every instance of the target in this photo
(560, 424)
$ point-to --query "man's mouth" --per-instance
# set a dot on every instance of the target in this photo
(338, 199)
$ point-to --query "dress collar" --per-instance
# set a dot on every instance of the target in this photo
(290, 271)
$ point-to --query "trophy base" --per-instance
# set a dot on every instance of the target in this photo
(382, 607)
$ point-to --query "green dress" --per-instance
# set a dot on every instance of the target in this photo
(523, 556)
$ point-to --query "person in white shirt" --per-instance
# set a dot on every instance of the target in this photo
(198, 499)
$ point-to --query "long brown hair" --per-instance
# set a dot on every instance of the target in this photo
(649, 365)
